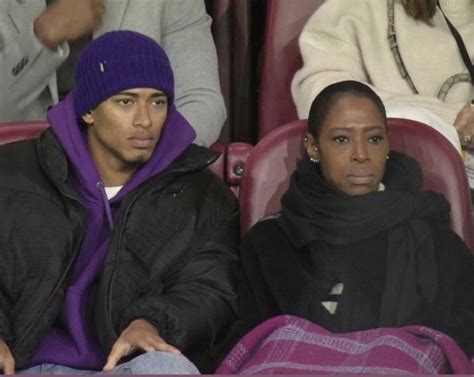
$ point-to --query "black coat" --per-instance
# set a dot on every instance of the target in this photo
(393, 252)
(282, 282)
(171, 258)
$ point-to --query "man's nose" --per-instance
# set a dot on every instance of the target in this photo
(142, 116)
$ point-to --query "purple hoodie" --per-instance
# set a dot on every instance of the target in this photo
(72, 341)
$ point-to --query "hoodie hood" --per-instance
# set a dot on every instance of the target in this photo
(176, 136)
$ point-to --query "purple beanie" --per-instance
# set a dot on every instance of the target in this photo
(116, 61)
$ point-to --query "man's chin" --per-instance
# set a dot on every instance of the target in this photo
(138, 160)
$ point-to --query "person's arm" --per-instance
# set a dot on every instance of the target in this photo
(464, 124)
(27, 66)
(257, 303)
(462, 317)
(188, 41)
(34, 44)
(455, 315)
(67, 20)
(349, 42)
(198, 300)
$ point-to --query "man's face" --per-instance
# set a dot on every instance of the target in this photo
(124, 129)
(352, 146)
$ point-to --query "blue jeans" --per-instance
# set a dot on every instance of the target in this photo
(148, 363)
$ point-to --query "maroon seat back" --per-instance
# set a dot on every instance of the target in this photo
(11, 132)
(274, 158)
(280, 60)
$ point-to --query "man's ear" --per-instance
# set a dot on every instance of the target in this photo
(88, 118)
(311, 147)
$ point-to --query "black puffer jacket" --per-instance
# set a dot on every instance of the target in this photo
(171, 259)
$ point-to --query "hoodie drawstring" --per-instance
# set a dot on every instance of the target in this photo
(108, 211)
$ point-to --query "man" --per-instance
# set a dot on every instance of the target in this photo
(40, 41)
(115, 238)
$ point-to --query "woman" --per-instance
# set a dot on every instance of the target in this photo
(357, 246)
(404, 49)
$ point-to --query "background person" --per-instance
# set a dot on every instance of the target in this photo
(39, 45)
(419, 67)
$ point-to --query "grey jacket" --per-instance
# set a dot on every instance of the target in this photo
(181, 27)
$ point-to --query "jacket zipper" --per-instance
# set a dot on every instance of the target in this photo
(120, 227)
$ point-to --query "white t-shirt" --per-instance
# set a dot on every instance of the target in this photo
(112, 191)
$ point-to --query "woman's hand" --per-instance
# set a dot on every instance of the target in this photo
(140, 334)
(7, 362)
(464, 125)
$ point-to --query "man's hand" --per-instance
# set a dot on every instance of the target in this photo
(464, 125)
(7, 362)
(140, 334)
(68, 20)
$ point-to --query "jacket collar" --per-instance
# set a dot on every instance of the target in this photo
(54, 162)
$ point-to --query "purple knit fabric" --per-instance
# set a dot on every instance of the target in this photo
(73, 340)
(291, 345)
(120, 60)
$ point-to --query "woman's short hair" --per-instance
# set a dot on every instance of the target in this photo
(327, 98)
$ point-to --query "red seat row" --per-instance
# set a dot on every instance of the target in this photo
(259, 175)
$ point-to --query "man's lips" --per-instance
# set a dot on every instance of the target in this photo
(141, 141)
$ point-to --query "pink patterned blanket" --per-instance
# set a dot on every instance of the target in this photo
(291, 345)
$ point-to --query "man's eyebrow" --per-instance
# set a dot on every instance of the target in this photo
(135, 95)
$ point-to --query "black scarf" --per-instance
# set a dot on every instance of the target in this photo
(314, 211)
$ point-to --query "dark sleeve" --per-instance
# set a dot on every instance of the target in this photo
(455, 300)
(256, 299)
(255, 303)
(188, 42)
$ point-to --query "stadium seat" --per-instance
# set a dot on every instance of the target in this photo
(11, 132)
(236, 155)
(280, 60)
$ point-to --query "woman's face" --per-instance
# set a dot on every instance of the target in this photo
(353, 147)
